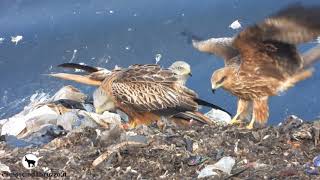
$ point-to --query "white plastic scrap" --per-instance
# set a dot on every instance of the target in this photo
(206, 172)
(225, 165)
(235, 25)
(318, 39)
(16, 39)
(16, 124)
(1, 40)
(4, 168)
(218, 116)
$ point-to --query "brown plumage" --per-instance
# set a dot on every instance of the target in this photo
(144, 93)
(263, 60)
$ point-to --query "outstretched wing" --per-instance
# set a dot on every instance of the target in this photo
(146, 88)
(221, 47)
(269, 48)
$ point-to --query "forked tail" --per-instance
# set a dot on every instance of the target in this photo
(77, 78)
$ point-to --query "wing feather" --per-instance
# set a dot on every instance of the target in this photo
(269, 48)
(221, 47)
(151, 88)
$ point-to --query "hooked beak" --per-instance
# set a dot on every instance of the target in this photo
(190, 74)
(214, 87)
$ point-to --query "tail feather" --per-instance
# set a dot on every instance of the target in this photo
(193, 115)
(77, 78)
(88, 69)
(311, 56)
(190, 36)
(207, 104)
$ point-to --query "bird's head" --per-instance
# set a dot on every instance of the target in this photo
(102, 101)
(221, 78)
(181, 68)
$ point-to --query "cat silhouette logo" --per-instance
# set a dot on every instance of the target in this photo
(30, 161)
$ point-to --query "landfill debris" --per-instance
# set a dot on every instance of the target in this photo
(235, 25)
(219, 117)
(207, 172)
(4, 168)
(196, 160)
(225, 164)
(316, 161)
(65, 130)
(311, 170)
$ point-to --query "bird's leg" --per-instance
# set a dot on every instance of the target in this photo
(242, 110)
(260, 112)
(235, 120)
(250, 126)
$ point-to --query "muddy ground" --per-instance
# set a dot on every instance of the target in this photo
(280, 152)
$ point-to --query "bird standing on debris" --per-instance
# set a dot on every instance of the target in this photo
(263, 60)
(143, 92)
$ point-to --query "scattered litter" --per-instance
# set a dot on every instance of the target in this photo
(318, 39)
(4, 168)
(16, 39)
(111, 11)
(311, 170)
(196, 160)
(235, 25)
(219, 154)
(207, 172)
(1, 40)
(69, 92)
(158, 58)
(218, 116)
(316, 161)
(116, 148)
(225, 164)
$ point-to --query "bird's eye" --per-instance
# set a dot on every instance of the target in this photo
(222, 79)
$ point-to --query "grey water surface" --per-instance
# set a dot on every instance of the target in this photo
(123, 32)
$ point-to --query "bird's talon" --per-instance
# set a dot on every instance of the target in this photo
(234, 121)
(250, 126)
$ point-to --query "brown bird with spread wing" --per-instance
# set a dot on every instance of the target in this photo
(143, 92)
(263, 60)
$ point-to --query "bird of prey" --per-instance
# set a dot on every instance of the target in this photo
(263, 60)
(182, 71)
(143, 92)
